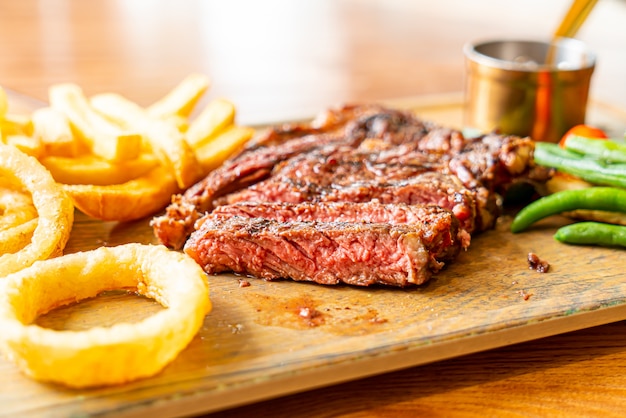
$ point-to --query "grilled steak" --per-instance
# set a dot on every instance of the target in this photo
(323, 252)
(349, 155)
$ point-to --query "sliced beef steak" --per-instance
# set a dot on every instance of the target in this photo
(440, 229)
(427, 188)
(289, 204)
(323, 252)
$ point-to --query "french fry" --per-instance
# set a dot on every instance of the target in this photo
(16, 124)
(103, 138)
(167, 142)
(117, 108)
(214, 118)
(215, 152)
(53, 129)
(182, 99)
(128, 201)
(16, 130)
(179, 122)
(27, 144)
(90, 169)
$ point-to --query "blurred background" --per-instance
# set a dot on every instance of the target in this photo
(279, 59)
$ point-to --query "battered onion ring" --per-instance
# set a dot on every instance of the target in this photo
(18, 218)
(102, 355)
(55, 209)
(16, 207)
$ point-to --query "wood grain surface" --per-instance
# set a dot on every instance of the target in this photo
(279, 60)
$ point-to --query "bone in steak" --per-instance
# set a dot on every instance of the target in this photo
(354, 154)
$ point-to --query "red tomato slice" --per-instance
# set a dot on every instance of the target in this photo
(583, 130)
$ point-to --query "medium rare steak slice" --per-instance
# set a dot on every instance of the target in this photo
(322, 252)
(440, 229)
(432, 188)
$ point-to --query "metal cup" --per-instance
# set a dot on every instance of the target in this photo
(527, 88)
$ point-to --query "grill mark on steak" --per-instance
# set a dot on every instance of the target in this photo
(322, 252)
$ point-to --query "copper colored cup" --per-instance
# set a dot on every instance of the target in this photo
(527, 88)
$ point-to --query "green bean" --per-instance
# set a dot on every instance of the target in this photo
(592, 233)
(603, 149)
(609, 199)
(594, 171)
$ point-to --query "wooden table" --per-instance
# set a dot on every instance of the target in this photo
(281, 60)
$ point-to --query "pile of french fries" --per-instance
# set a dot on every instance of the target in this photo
(119, 161)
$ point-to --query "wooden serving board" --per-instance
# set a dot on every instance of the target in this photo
(259, 343)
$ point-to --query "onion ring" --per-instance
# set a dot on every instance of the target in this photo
(18, 218)
(15, 238)
(102, 356)
(16, 208)
(54, 207)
